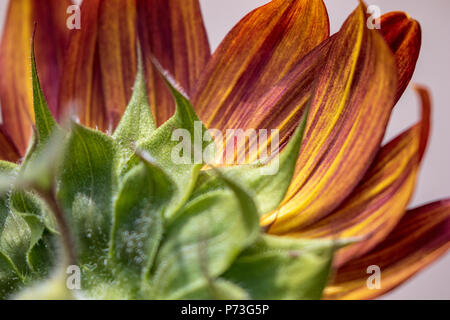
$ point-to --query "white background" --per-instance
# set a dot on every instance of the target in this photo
(433, 70)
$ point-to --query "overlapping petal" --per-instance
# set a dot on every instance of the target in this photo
(403, 34)
(421, 237)
(283, 104)
(173, 32)
(100, 63)
(117, 52)
(350, 107)
(258, 52)
(15, 71)
(381, 199)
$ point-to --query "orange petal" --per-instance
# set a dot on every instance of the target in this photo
(404, 36)
(100, 63)
(117, 52)
(173, 32)
(350, 109)
(8, 150)
(381, 199)
(283, 104)
(258, 52)
(51, 39)
(422, 236)
(15, 71)
(81, 89)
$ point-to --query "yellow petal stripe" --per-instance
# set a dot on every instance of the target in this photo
(420, 238)
(350, 108)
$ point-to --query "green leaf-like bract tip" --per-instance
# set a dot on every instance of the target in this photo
(137, 123)
(45, 123)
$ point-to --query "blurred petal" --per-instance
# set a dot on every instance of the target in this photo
(15, 71)
(100, 64)
(421, 237)
(381, 199)
(350, 109)
(8, 150)
(173, 32)
(258, 52)
(51, 39)
(117, 52)
(81, 87)
(15, 90)
(404, 36)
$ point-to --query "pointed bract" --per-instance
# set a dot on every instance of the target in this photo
(137, 122)
(43, 118)
(161, 145)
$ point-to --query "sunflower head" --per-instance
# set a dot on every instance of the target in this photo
(159, 171)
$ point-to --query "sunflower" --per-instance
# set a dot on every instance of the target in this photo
(277, 67)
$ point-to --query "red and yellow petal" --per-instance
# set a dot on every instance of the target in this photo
(283, 104)
(379, 202)
(403, 34)
(100, 63)
(173, 32)
(81, 88)
(421, 237)
(117, 36)
(350, 108)
(258, 52)
(15, 70)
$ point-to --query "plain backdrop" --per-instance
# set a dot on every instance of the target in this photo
(433, 70)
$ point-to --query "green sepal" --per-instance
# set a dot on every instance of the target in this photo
(43, 257)
(138, 225)
(137, 123)
(160, 146)
(20, 231)
(10, 282)
(16, 239)
(45, 123)
(29, 203)
(284, 269)
(87, 183)
(38, 165)
(203, 241)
